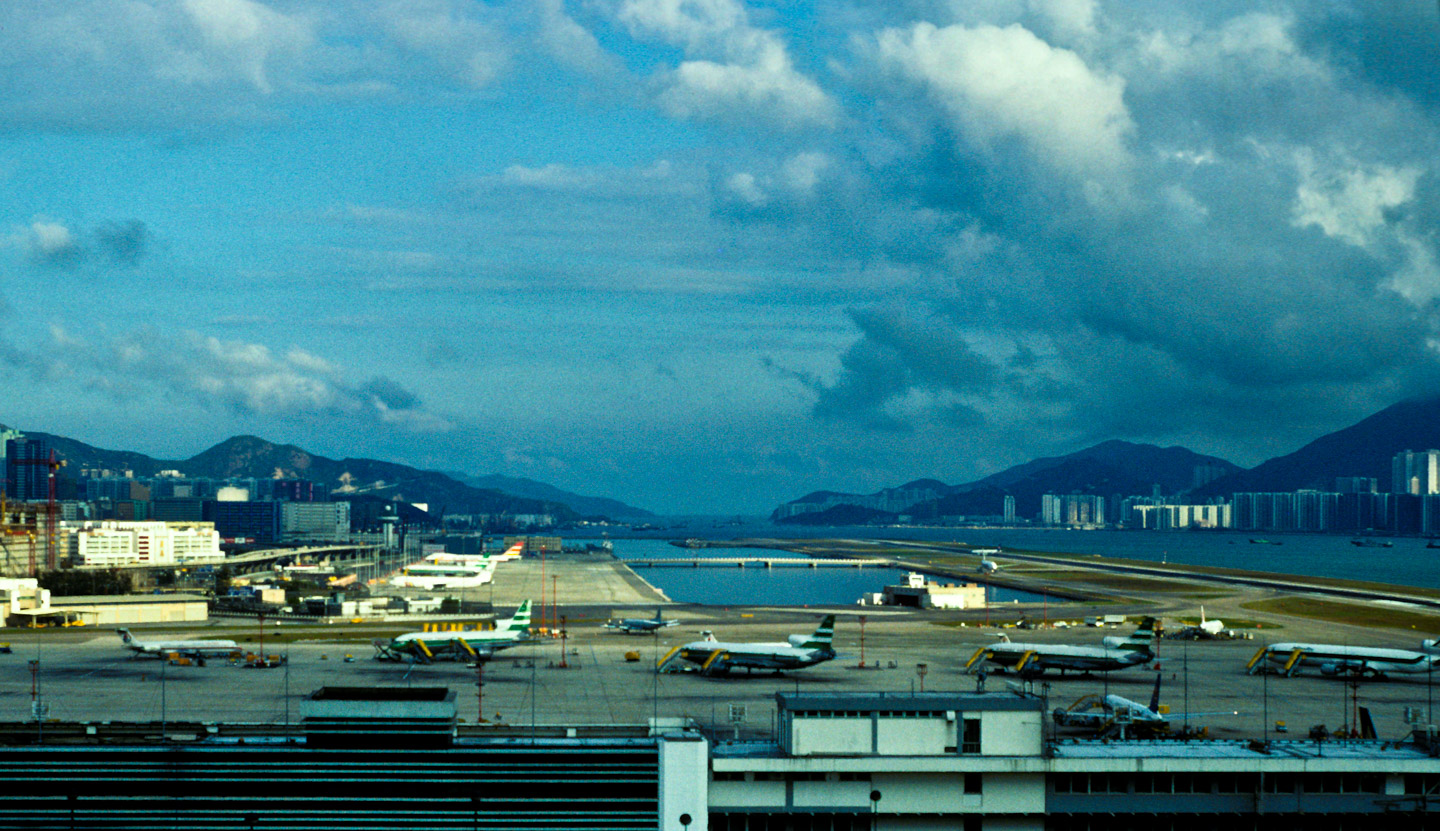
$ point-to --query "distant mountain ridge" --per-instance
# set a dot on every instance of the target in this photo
(1106, 469)
(585, 505)
(254, 457)
(1362, 449)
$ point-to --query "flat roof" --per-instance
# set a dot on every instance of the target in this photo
(869, 702)
(382, 694)
(123, 599)
(1219, 749)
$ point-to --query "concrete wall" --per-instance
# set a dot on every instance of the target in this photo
(107, 614)
(1011, 732)
(831, 736)
(926, 793)
(684, 777)
(914, 736)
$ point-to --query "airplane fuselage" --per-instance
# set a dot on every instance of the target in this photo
(767, 656)
(1066, 658)
(1335, 659)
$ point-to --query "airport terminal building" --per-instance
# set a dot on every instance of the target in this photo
(387, 758)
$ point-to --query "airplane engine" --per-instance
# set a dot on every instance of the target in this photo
(797, 640)
(1113, 642)
(1330, 669)
(1334, 668)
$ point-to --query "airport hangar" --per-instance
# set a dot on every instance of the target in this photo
(393, 757)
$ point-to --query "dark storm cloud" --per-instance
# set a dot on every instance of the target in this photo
(123, 242)
(1252, 225)
(390, 394)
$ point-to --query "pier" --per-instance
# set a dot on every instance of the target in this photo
(760, 562)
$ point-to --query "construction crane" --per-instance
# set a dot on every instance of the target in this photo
(53, 463)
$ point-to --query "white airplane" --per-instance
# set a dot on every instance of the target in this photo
(1031, 659)
(424, 647)
(798, 651)
(160, 649)
(1205, 629)
(511, 553)
(988, 566)
(1334, 659)
(641, 624)
(443, 575)
(1110, 714)
(1210, 627)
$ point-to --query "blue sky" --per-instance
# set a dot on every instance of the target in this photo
(707, 255)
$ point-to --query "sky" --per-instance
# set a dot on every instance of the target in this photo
(706, 256)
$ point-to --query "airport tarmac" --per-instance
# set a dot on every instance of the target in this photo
(84, 674)
(87, 676)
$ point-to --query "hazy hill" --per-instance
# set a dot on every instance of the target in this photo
(251, 456)
(1112, 467)
(1362, 449)
(584, 505)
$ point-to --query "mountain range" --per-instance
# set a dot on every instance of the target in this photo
(1116, 467)
(254, 457)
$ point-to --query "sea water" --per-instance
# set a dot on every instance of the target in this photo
(760, 586)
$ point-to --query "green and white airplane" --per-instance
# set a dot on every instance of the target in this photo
(424, 647)
(799, 651)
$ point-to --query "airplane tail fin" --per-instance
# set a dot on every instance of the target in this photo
(1155, 696)
(1143, 637)
(125, 636)
(520, 621)
(824, 635)
(658, 618)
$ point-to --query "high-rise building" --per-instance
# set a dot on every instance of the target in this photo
(27, 477)
(1417, 474)
(1072, 509)
(1356, 484)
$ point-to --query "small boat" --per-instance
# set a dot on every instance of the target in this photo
(1263, 541)
(1366, 542)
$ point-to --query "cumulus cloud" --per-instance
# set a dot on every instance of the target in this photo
(1006, 83)
(571, 43)
(735, 71)
(55, 245)
(451, 34)
(243, 377)
(1252, 235)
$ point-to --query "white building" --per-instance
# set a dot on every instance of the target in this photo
(23, 597)
(1173, 517)
(925, 594)
(1414, 473)
(1072, 509)
(119, 543)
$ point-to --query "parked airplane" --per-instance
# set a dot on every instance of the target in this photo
(641, 624)
(424, 647)
(798, 651)
(1204, 630)
(511, 553)
(160, 649)
(443, 575)
(1035, 658)
(1109, 714)
(1334, 659)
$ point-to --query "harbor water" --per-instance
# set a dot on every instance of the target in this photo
(760, 586)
